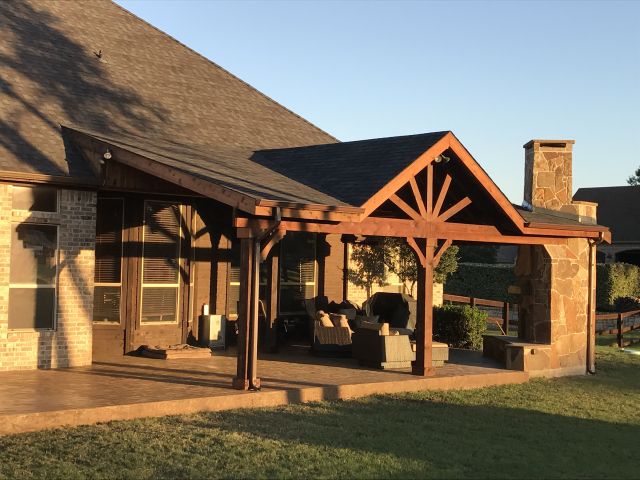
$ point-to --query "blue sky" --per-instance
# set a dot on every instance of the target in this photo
(496, 73)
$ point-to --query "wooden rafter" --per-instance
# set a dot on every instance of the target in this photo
(442, 195)
(454, 209)
(405, 207)
(429, 190)
(440, 251)
(414, 245)
(275, 238)
(418, 197)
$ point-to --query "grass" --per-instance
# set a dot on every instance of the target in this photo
(582, 427)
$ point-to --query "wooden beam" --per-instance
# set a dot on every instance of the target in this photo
(82, 183)
(171, 174)
(414, 245)
(429, 190)
(488, 184)
(385, 227)
(275, 238)
(241, 380)
(423, 365)
(440, 251)
(455, 209)
(418, 196)
(442, 195)
(404, 206)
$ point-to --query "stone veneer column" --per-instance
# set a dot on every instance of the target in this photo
(69, 344)
(554, 307)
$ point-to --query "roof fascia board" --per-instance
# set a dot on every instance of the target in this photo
(224, 195)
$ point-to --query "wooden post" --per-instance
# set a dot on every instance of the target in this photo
(423, 365)
(241, 381)
(472, 302)
(619, 326)
(273, 270)
(505, 318)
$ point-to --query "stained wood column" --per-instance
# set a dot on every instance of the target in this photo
(424, 328)
(241, 381)
(273, 270)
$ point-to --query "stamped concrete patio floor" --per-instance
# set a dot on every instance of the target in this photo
(132, 387)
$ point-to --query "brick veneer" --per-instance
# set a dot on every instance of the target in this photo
(69, 343)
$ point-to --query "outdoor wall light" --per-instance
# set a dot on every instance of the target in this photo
(442, 159)
(107, 154)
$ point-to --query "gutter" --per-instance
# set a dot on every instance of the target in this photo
(591, 323)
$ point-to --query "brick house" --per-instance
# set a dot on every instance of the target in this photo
(141, 182)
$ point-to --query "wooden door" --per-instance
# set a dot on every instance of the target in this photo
(108, 319)
(160, 270)
(142, 287)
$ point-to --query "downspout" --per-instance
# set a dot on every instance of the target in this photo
(254, 383)
(591, 317)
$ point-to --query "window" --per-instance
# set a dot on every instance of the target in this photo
(160, 263)
(32, 287)
(297, 271)
(34, 199)
(108, 264)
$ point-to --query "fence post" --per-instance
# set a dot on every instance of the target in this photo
(505, 318)
(472, 301)
(619, 325)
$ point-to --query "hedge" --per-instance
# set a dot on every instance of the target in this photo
(482, 280)
(459, 326)
(616, 280)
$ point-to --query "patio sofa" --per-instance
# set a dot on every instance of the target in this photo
(378, 346)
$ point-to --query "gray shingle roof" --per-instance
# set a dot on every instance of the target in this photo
(144, 82)
(351, 172)
(618, 209)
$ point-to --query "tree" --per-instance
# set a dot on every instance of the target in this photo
(367, 265)
(401, 260)
(635, 178)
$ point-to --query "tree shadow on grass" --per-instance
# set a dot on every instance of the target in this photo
(454, 440)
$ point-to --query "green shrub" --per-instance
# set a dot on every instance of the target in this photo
(480, 280)
(615, 280)
(459, 326)
(626, 304)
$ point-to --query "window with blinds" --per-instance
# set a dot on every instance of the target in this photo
(32, 278)
(297, 271)
(108, 263)
(160, 263)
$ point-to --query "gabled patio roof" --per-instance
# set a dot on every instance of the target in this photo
(339, 182)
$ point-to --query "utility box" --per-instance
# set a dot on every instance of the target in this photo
(213, 328)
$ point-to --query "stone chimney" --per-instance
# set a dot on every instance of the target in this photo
(548, 181)
(547, 173)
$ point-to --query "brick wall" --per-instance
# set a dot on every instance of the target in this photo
(69, 343)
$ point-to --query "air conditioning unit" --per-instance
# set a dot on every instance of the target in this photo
(213, 328)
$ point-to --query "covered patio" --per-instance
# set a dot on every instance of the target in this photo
(128, 387)
(426, 189)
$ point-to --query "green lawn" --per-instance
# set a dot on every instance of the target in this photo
(585, 427)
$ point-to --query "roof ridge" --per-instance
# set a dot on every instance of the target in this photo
(224, 70)
(443, 132)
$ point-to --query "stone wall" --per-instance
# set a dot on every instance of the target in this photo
(554, 307)
(69, 343)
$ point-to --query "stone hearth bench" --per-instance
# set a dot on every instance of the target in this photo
(515, 354)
